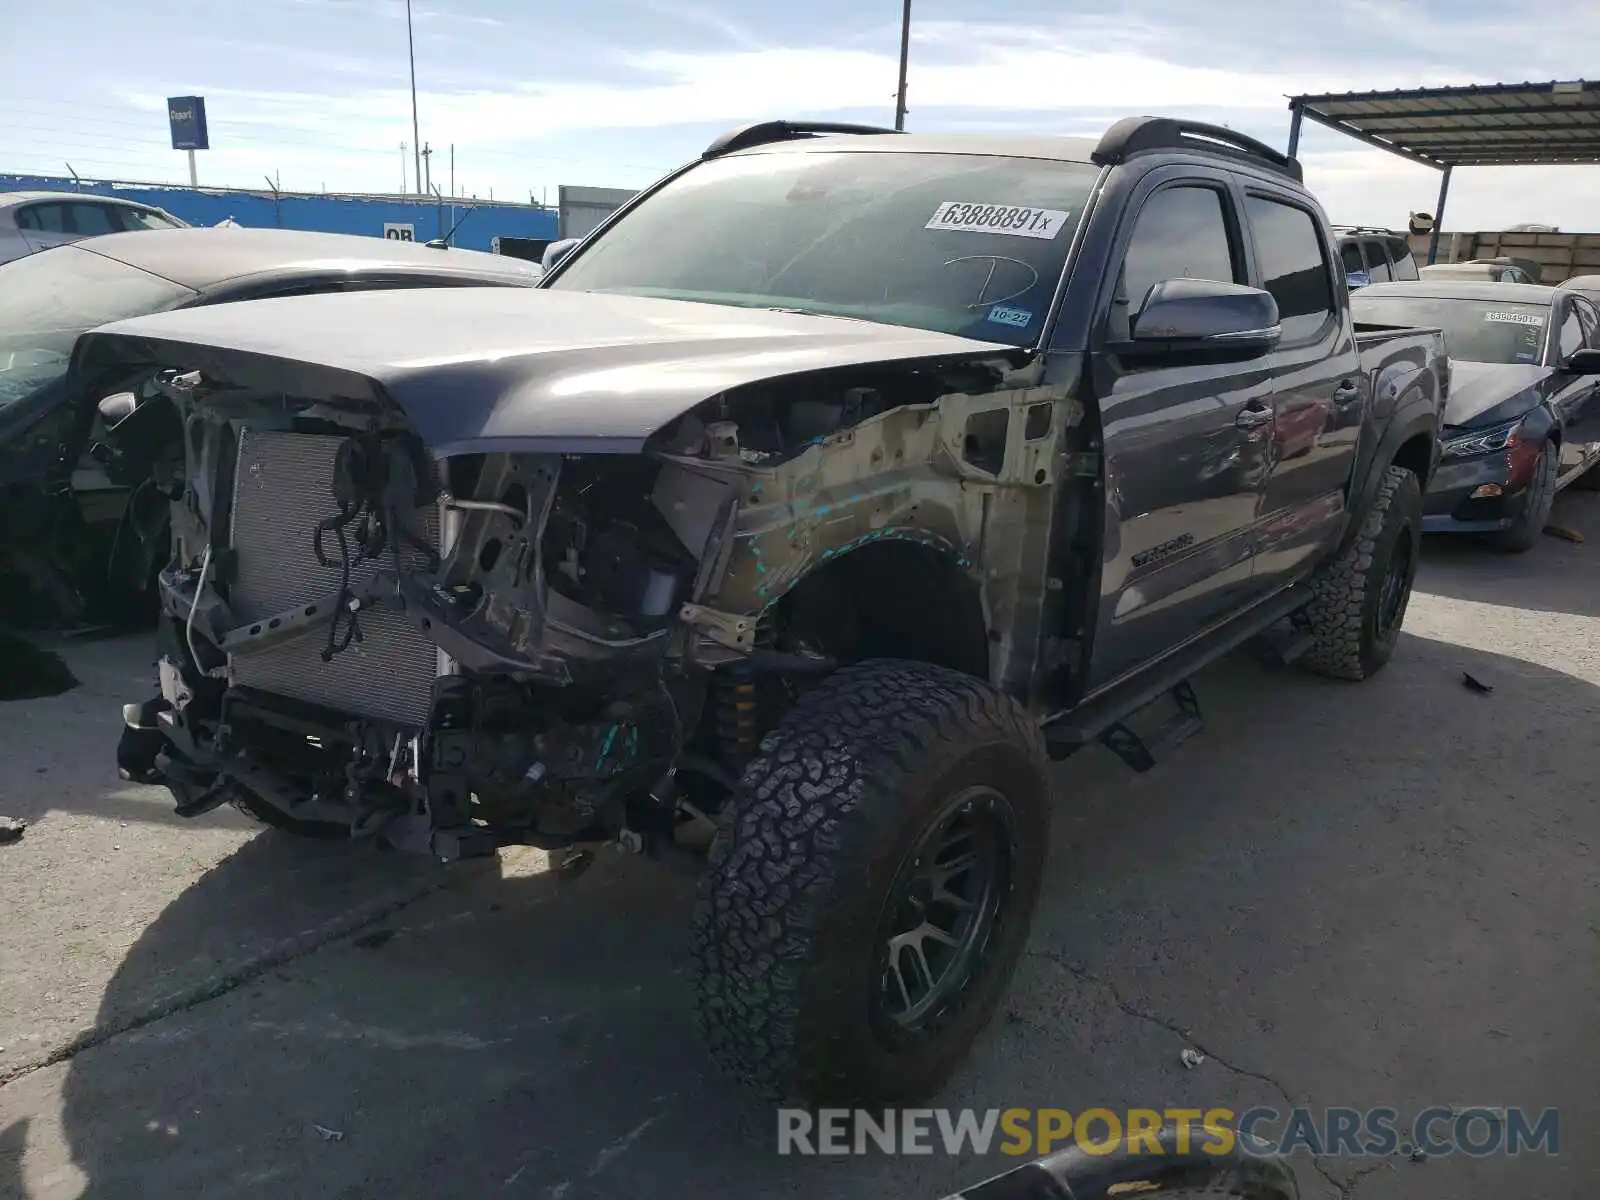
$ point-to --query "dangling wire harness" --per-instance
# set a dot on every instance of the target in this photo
(373, 485)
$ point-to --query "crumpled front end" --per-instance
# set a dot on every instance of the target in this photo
(548, 635)
(360, 637)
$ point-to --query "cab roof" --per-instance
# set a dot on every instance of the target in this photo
(1058, 149)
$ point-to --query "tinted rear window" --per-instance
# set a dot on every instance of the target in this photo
(1293, 266)
(1405, 267)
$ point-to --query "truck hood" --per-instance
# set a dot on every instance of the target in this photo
(1483, 394)
(479, 369)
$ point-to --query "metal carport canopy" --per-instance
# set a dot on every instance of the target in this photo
(1489, 125)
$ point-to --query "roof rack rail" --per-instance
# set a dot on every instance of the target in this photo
(764, 132)
(1374, 229)
(1141, 135)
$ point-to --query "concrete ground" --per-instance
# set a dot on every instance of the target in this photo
(1342, 895)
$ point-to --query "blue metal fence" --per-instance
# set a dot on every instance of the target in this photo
(480, 221)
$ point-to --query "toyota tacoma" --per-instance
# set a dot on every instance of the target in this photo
(805, 511)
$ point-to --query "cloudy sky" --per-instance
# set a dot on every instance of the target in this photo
(613, 92)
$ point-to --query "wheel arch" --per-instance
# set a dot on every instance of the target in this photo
(893, 597)
(1410, 441)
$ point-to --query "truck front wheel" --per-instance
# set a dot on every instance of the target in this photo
(1359, 600)
(871, 886)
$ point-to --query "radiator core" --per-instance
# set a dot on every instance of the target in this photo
(281, 491)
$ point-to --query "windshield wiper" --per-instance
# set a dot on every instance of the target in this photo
(811, 312)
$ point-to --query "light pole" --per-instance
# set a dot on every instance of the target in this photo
(416, 140)
(905, 54)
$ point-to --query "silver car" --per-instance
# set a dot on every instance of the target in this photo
(1588, 285)
(33, 221)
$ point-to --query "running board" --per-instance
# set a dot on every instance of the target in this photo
(1070, 730)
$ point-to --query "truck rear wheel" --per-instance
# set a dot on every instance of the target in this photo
(871, 886)
(1360, 599)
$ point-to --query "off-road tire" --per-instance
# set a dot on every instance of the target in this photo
(785, 929)
(1343, 614)
(1524, 533)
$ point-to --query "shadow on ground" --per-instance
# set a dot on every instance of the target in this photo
(1347, 895)
(29, 671)
(1557, 575)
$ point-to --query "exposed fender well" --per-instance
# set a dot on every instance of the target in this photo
(893, 596)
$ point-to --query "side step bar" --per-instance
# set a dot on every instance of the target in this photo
(1142, 753)
(1103, 717)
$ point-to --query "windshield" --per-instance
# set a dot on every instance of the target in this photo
(48, 299)
(964, 244)
(1489, 331)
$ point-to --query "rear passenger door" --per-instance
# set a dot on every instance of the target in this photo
(1182, 469)
(1317, 392)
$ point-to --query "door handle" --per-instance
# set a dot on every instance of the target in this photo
(1253, 415)
(1347, 392)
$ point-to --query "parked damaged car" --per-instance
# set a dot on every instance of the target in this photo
(1523, 418)
(81, 536)
(806, 510)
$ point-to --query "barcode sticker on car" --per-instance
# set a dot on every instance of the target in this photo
(1516, 318)
(1014, 219)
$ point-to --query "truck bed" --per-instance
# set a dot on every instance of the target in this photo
(1385, 348)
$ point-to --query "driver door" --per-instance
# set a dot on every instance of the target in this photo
(1185, 444)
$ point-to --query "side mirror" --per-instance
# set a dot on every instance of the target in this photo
(117, 406)
(1357, 279)
(556, 251)
(1583, 362)
(1185, 316)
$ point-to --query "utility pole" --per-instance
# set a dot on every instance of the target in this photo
(410, 45)
(403, 183)
(427, 169)
(905, 56)
(452, 168)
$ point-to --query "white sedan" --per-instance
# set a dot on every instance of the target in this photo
(33, 221)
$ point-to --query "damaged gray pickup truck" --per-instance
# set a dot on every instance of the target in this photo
(789, 528)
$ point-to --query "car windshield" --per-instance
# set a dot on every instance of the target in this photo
(956, 243)
(48, 299)
(1489, 331)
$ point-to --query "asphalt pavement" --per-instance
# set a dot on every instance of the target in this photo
(1351, 895)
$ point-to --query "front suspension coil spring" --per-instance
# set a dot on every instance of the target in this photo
(742, 703)
(739, 714)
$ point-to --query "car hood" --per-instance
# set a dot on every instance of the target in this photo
(478, 369)
(1484, 394)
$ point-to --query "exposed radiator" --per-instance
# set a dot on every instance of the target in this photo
(281, 492)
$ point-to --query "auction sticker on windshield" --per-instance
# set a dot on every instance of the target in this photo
(1014, 219)
(1516, 318)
